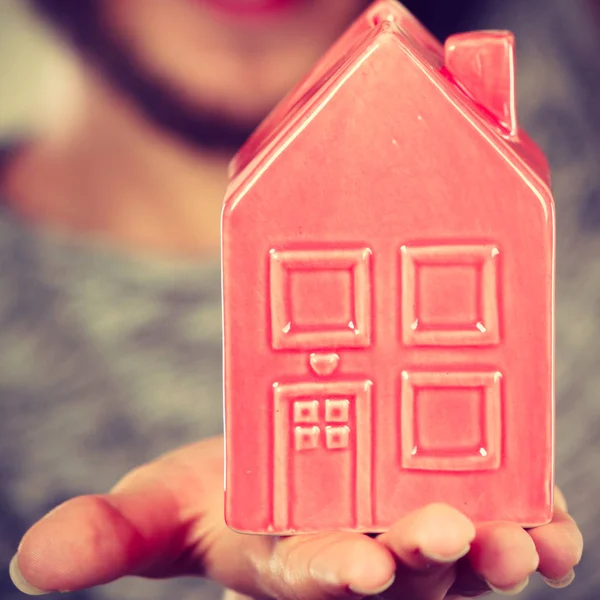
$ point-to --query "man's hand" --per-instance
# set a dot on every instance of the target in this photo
(166, 519)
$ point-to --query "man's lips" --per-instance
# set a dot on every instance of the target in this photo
(251, 7)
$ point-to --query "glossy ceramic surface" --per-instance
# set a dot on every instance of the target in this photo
(388, 286)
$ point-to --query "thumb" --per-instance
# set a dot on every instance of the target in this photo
(148, 525)
(93, 540)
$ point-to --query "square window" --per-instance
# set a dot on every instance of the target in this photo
(450, 295)
(337, 411)
(306, 411)
(457, 305)
(320, 299)
(306, 438)
(451, 421)
(337, 437)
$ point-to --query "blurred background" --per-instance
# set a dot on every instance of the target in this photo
(31, 66)
(66, 428)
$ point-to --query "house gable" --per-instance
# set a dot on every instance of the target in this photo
(413, 132)
(385, 46)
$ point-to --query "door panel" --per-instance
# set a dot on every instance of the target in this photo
(323, 478)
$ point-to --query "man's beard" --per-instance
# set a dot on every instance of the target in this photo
(197, 127)
(200, 128)
(82, 21)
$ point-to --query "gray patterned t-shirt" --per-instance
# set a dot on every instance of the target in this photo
(107, 360)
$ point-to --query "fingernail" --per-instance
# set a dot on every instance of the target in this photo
(20, 582)
(436, 558)
(372, 592)
(564, 582)
(513, 591)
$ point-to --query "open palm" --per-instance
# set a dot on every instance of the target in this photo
(165, 519)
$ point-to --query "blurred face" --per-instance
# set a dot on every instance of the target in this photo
(223, 62)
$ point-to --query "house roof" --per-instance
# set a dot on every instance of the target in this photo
(388, 18)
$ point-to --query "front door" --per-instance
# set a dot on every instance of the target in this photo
(322, 454)
(322, 441)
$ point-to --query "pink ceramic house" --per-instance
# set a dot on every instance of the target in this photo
(388, 273)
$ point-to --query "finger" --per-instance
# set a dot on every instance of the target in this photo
(325, 566)
(503, 555)
(560, 546)
(166, 519)
(435, 533)
(89, 541)
(142, 527)
(426, 545)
